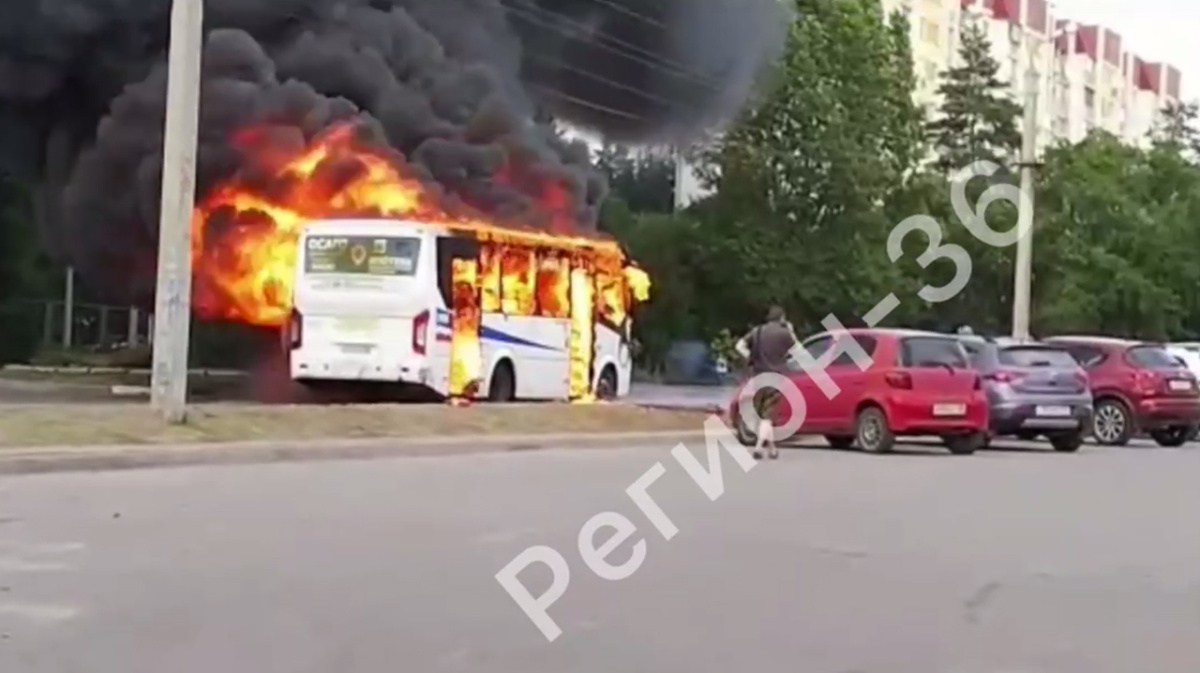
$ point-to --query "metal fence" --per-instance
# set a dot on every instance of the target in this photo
(93, 325)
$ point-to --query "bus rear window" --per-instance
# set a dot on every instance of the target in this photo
(361, 255)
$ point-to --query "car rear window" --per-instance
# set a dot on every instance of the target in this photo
(978, 352)
(817, 348)
(1032, 356)
(932, 352)
(1152, 357)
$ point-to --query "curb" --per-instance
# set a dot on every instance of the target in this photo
(41, 460)
(202, 373)
(698, 408)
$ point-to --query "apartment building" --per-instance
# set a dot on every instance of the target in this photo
(1084, 75)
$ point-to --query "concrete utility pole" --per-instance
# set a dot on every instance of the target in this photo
(1023, 274)
(172, 311)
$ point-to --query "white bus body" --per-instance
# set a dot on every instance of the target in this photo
(388, 318)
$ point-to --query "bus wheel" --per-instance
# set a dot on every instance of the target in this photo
(503, 385)
(606, 387)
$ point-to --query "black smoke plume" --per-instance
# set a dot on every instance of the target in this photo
(459, 87)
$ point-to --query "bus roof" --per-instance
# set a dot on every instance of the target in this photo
(531, 237)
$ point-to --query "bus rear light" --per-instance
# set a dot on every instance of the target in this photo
(420, 332)
(295, 329)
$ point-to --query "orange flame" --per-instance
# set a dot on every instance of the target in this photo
(245, 235)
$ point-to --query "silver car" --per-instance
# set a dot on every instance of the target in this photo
(1033, 390)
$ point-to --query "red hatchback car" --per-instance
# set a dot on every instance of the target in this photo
(1137, 387)
(919, 383)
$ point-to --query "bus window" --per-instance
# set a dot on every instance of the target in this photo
(517, 282)
(489, 278)
(611, 291)
(553, 287)
(448, 249)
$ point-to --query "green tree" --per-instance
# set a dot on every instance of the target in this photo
(1176, 128)
(21, 274)
(977, 120)
(799, 181)
(1115, 252)
(644, 179)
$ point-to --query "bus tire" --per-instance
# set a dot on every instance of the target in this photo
(503, 385)
(606, 385)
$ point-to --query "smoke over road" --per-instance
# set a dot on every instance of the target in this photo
(455, 86)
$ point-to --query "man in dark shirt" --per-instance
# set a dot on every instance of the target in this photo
(766, 348)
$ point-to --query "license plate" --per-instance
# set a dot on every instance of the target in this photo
(949, 410)
(1181, 385)
(356, 349)
(1053, 412)
(357, 325)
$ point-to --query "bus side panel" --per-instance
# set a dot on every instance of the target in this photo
(537, 348)
(612, 349)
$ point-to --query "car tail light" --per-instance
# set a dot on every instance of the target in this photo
(420, 332)
(1147, 382)
(1005, 376)
(901, 380)
(295, 329)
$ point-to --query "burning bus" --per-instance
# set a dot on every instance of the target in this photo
(371, 279)
(466, 313)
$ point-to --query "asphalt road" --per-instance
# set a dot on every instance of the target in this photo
(15, 391)
(822, 562)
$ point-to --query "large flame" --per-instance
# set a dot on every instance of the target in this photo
(245, 235)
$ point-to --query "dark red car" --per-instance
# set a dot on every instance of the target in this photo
(919, 383)
(1137, 387)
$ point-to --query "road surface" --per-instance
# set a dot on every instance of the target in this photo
(822, 562)
(17, 391)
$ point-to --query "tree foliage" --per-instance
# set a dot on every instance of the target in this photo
(810, 182)
(21, 273)
(799, 180)
(977, 119)
(644, 179)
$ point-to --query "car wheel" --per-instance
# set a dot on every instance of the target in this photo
(745, 436)
(1173, 436)
(965, 445)
(1112, 424)
(1193, 432)
(1067, 442)
(871, 431)
(840, 441)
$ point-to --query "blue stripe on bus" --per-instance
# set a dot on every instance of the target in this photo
(493, 334)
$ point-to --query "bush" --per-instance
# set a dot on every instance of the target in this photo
(20, 332)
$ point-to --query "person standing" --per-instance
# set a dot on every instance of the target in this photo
(766, 348)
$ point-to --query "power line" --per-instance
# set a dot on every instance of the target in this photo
(607, 81)
(630, 13)
(586, 103)
(559, 24)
